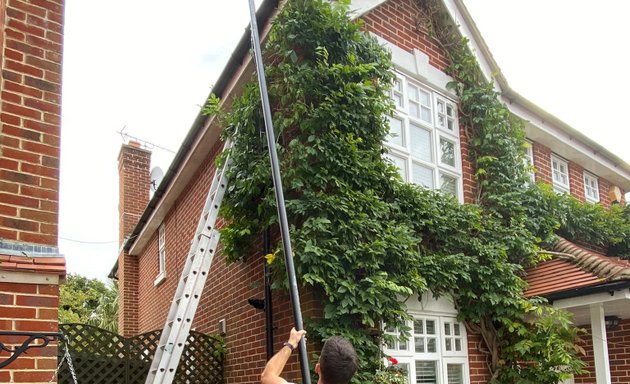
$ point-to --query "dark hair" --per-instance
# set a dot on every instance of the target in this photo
(338, 361)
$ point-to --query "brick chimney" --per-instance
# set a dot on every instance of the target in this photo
(134, 182)
(31, 38)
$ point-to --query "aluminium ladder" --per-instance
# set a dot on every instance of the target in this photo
(191, 283)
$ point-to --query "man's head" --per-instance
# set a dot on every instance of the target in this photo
(338, 361)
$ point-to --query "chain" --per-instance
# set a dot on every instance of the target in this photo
(67, 358)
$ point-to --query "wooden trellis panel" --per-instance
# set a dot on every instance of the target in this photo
(103, 357)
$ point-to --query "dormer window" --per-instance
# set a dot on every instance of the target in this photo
(591, 188)
(560, 174)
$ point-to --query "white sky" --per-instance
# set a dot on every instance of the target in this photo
(148, 65)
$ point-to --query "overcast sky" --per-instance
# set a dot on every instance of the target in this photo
(147, 66)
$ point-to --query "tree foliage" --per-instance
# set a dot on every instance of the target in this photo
(365, 240)
(89, 301)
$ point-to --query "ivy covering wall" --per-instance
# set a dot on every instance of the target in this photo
(364, 240)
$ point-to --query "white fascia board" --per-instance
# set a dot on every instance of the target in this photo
(468, 29)
(595, 298)
(416, 64)
(583, 151)
(359, 8)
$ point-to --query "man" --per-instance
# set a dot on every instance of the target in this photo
(337, 362)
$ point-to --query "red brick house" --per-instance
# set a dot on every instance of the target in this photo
(30, 264)
(155, 239)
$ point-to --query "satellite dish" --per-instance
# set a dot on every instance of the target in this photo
(156, 176)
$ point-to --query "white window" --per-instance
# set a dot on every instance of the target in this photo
(423, 140)
(161, 255)
(560, 174)
(591, 188)
(529, 160)
(434, 353)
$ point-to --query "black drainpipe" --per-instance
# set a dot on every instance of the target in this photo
(268, 306)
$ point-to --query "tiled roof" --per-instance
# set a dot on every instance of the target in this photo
(574, 267)
(49, 265)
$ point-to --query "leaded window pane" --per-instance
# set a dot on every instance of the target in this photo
(447, 152)
(421, 143)
(448, 184)
(419, 344)
(454, 374)
(396, 135)
(417, 326)
(400, 163)
(423, 176)
(426, 372)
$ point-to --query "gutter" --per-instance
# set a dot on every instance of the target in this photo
(263, 15)
(608, 287)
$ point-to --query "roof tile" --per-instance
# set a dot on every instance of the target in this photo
(573, 267)
(38, 264)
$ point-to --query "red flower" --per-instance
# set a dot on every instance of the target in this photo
(393, 361)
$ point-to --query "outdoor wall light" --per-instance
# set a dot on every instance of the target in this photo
(611, 321)
(257, 303)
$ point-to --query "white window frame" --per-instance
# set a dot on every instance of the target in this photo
(529, 159)
(161, 255)
(558, 186)
(589, 180)
(403, 152)
(441, 356)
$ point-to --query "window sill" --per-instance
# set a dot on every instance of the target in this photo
(561, 189)
(159, 279)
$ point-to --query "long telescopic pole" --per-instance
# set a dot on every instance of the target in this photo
(277, 183)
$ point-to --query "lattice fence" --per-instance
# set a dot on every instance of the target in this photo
(103, 357)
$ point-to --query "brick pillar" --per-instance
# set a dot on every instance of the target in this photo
(31, 38)
(31, 122)
(29, 307)
(134, 182)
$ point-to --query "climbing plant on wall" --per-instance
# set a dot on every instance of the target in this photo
(365, 240)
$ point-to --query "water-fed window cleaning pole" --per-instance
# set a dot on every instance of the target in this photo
(277, 183)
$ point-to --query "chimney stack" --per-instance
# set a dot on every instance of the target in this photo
(134, 181)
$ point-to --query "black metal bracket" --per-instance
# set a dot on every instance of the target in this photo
(31, 337)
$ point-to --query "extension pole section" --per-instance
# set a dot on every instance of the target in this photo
(277, 183)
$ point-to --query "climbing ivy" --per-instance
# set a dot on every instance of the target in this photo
(364, 240)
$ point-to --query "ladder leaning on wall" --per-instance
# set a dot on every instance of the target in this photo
(192, 281)
(206, 240)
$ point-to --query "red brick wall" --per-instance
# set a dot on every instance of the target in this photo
(227, 290)
(134, 182)
(576, 181)
(400, 22)
(618, 354)
(31, 118)
(478, 360)
(29, 308)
